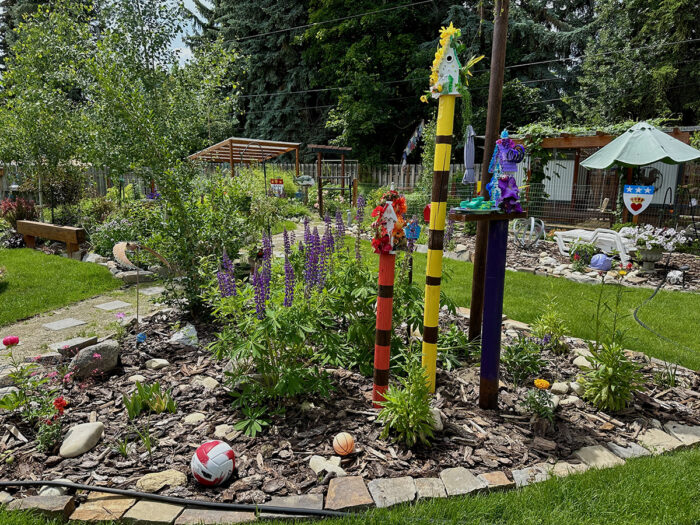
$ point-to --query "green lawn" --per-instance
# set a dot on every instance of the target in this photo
(652, 490)
(37, 283)
(675, 315)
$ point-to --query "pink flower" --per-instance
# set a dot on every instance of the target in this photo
(52, 375)
(36, 358)
(67, 377)
(121, 315)
(65, 347)
(97, 356)
(11, 340)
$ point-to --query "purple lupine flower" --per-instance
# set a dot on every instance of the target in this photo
(450, 230)
(288, 283)
(287, 243)
(307, 231)
(328, 241)
(267, 265)
(259, 287)
(325, 253)
(339, 226)
(226, 277)
(312, 250)
(360, 215)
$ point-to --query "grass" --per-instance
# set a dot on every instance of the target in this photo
(651, 490)
(37, 283)
(672, 314)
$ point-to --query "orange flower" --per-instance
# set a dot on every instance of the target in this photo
(542, 384)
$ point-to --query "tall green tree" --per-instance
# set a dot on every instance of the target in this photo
(642, 63)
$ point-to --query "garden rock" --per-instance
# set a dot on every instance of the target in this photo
(496, 480)
(429, 488)
(5, 498)
(658, 441)
(96, 359)
(152, 513)
(576, 388)
(59, 507)
(157, 364)
(559, 389)
(302, 501)
(194, 419)
(80, 439)
(459, 481)
(209, 383)
(598, 456)
(185, 337)
(391, 491)
(223, 431)
(564, 468)
(526, 476)
(198, 516)
(437, 419)
(137, 378)
(157, 480)
(47, 490)
(688, 435)
(549, 261)
(320, 464)
(348, 493)
(582, 363)
(101, 506)
(632, 450)
(131, 276)
(95, 258)
(569, 400)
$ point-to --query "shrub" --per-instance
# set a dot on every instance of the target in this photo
(550, 329)
(453, 346)
(18, 210)
(406, 409)
(612, 378)
(522, 360)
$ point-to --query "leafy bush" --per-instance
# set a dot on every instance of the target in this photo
(522, 360)
(133, 222)
(550, 329)
(406, 409)
(18, 210)
(454, 346)
(612, 378)
(148, 398)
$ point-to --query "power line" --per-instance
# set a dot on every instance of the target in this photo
(349, 17)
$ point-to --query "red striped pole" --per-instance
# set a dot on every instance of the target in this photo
(382, 341)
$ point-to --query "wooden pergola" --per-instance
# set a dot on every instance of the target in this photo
(239, 150)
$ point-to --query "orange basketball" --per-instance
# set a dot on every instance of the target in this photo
(343, 444)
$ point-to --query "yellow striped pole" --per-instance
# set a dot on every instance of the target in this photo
(438, 210)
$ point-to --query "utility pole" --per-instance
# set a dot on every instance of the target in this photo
(493, 122)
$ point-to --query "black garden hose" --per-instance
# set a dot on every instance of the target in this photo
(240, 507)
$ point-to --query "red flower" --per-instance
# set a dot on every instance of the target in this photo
(629, 265)
(576, 257)
(11, 340)
(378, 210)
(60, 404)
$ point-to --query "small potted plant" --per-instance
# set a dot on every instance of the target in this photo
(651, 243)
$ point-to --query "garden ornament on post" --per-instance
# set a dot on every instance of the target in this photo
(447, 80)
(388, 237)
(503, 188)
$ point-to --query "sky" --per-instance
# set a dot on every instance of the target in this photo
(178, 44)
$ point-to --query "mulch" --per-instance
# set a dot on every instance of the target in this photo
(275, 463)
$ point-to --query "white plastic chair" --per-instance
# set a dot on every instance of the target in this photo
(605, 240)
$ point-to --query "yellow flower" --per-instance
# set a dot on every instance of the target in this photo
(542, 384)
(622, 272)
(424, 98)
(447, 32)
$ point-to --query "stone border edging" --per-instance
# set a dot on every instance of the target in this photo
(352, 493)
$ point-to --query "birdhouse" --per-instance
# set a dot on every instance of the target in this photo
(448, 72)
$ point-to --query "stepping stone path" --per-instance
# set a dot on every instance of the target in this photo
(113, 305)
(153, 290)
(63, 324)
(80, 439)
(658, 441)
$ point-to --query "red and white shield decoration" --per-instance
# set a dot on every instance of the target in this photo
(637, 198)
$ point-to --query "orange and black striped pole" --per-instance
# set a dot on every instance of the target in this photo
(382, 340)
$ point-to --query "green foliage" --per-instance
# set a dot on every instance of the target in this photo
(666, 378)
(454, 346)
(522, 360)
(253, 421)
(406, 409)
(540, 403)
(17, 210)
(581, 254)
(148, 398)
(612, 378)
(133, 222)
(550, 328)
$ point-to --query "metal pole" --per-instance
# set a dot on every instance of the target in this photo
(493, 312)
(320, 186)
(493, 122)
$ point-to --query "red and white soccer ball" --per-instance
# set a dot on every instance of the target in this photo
(212, 463)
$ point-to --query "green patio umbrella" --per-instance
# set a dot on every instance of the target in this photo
(641, 145)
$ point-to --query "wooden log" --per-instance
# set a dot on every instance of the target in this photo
(67, 234)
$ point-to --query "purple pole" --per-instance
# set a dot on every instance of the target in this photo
(493, 312)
